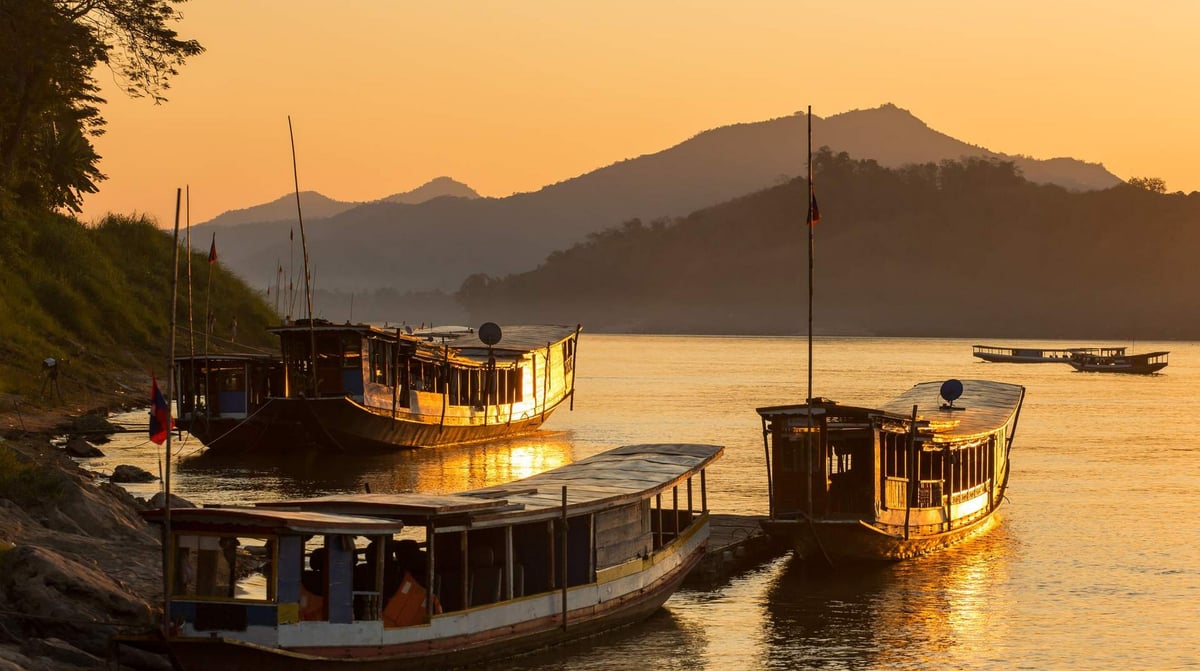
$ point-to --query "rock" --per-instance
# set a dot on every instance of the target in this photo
(91, 424)
(127, 473)
(61, 651)
(78, 446)
(73, 600)
(156, 501)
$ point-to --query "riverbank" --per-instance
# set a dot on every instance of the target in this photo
(77, 562)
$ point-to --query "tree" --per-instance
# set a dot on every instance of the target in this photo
(49, 102)
(1152, 184)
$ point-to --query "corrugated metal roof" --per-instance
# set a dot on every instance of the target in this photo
(624, 473)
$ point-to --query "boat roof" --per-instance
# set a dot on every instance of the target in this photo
(251, 520)
(983, 407)
(516, 338)
(622, 475)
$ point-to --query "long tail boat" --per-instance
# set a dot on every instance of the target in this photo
(353, 387)
(923, 471)
(425, 581)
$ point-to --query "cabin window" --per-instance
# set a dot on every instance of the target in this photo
(382, 354)
(233, 380)
(351, 351)
(209, 566)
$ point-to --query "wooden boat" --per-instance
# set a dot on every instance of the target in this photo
(350, 387)
(565, 554)
(921, 472)
(1142, 364)
(996, 354)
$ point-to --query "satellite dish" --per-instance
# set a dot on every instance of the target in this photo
(951, 390)
(490, 333)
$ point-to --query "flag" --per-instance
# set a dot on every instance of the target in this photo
(160, 415)
(814, 211)
(212, 250)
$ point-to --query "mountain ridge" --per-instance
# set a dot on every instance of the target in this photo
(434, 245)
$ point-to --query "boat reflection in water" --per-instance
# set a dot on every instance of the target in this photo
(935, 612)
(212, 477)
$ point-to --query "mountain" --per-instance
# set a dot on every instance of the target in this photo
(436, 244)
(434, 188)
(317, 206)
(966, 249)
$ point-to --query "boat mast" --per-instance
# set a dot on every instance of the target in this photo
(812, 457)
(312, 333)
(166, 544)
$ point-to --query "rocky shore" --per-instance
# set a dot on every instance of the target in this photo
(77, 562)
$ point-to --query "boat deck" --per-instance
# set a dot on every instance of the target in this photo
(736, 544)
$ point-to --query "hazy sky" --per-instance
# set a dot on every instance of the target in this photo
(511, 96)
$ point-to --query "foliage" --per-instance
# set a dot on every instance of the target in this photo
(1152, 184)
(99, 299)
(48, 52)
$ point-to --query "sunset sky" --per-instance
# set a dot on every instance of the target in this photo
(511, 96)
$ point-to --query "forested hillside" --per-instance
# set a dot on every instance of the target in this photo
(967, 249)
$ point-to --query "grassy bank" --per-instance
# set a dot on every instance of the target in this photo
(97, 299)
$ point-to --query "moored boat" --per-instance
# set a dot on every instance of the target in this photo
(1139, 364)
(995, 354)
(350, 387)
(413, 581)
(923, 471)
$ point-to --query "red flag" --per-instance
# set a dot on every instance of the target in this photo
(814, 211)
(160, 415)
(212, 250)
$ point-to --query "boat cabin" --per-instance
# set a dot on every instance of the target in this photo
(225, 386)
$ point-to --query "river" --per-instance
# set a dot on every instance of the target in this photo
(1095, 565)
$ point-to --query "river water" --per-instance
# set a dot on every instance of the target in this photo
(1095, 565)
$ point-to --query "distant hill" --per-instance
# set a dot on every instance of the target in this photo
(434, 245)
(964, 250)
(434, 188)
(317, 206)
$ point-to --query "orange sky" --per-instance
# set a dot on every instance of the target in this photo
(511, 96)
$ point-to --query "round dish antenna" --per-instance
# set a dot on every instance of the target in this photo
(490, 333)
(951, 390)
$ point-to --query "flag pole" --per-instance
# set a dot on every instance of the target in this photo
(167, 470)
(191, 390)
(811, 195)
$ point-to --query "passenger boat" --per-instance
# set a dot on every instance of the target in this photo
(996, 354)
(1142, 364)
(415, 581)
(350, 387)
(925, 470)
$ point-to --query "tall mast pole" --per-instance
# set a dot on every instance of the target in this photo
(312, 333)
(812, 456)
(166, 545)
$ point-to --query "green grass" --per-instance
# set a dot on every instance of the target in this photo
(99, 299)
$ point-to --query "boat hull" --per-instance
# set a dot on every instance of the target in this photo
(442, 653)
(341, 425)
(840, 541)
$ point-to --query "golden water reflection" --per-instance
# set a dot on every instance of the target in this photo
(215, 478)
(931, 612)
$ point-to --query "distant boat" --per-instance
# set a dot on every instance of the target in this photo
(916, 474)
(995, 354)
(1141, 364)
(419, 581)
(363, 387)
